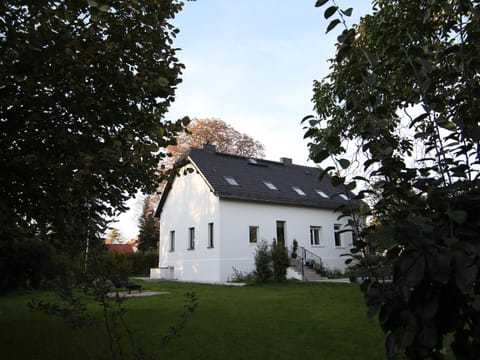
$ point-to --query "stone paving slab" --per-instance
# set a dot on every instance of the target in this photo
(138, 294)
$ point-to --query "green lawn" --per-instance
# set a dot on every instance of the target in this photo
(286, 321)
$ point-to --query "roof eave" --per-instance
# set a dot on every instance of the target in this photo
(326, 206)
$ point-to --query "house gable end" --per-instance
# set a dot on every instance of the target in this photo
(180, 170)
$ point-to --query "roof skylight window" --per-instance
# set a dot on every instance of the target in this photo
(343, 196)
(299, 191)
(322, 194)
(230, 180)
(270, 185)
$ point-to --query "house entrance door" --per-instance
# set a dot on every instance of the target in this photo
(281, 232)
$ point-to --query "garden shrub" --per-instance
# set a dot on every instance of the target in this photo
(280, 261)
(125, 265)
(28, 263)
(263, 262)
(271, 262)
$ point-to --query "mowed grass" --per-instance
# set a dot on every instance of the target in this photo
(274, 321)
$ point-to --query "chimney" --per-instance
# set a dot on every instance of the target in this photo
(209, 148)
(286, 161)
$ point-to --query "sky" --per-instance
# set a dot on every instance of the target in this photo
(252, 63)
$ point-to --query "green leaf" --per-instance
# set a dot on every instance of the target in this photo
(330, 11)
(425, 85)
(103, 8)
(418, 119)
(306, 118)
(459, 216)
(465, 278)
(162, 81)
(92, 3)
(475, 304)
(320, 3)
(428, 335)
(361, 178)
(347, 12)
(447, 125)
(372, 310)
(343, 36)
(332, 25)
(351, 185)
(344, 163)
(325, 172)
(441, 268)
(372, 58)
(342, 53)
(337, 180)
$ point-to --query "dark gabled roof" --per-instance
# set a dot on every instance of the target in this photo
(250, 174)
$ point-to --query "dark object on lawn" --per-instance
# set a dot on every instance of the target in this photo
(122, 284)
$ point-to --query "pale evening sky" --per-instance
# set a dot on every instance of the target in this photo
(252, 64)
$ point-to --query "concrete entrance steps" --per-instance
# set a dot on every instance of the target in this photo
(308, 274)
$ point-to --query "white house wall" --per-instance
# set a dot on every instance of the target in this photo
(238, 216)
(190, 203)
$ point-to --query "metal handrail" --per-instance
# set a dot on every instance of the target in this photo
(304, 256)
(307, 255)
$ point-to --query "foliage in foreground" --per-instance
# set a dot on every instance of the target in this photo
(122, 343)
(84, 87)
(405, 87)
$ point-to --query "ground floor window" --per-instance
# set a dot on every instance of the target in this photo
(338, 235)
(172, 240)
(315, 235)
(210, 235)
(191, 238)
(253, 234)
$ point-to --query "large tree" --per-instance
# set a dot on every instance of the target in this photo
(405, 86)
(84, 86)
(216, 132)
(148, 226)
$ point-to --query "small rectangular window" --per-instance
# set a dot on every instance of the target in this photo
(253, 237)
(230, 180)
(299, 191)
(191, 238)
(270, 185)
(172, 240)
(322, 194)
(315, 235)
(210, 235)
(338, 235)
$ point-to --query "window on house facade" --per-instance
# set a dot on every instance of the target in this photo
(298, 190)
(253, 234)
(338, 235)
(270, 185)
(210, 235)
(172, 241)
(315, 235)
(191, 238)
(230, 180)
(281, 231)
(322, 194)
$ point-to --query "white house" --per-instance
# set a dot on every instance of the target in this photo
(213, 214)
